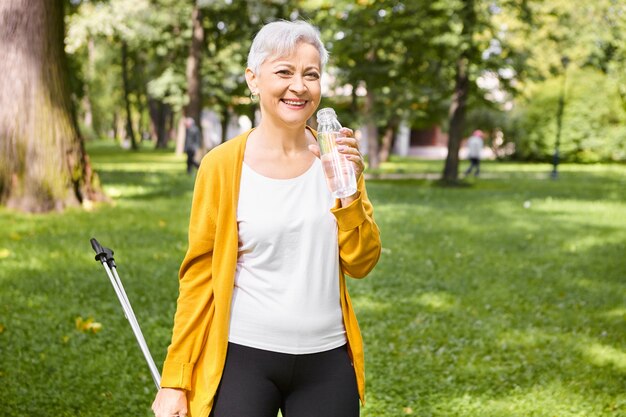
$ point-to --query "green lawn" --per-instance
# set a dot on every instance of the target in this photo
(506, 297)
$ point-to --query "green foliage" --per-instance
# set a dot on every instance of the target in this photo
(169, 88)
(390, 49)
(156, 35)
(594, 121)
(591, 36)
(404, 53)
(505, 298)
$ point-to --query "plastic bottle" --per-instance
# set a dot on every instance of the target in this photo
(338, 169)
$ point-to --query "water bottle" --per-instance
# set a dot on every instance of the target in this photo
(338, 169)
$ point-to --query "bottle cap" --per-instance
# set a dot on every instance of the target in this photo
(325, 114)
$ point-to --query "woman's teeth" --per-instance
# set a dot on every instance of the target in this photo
(294, 103)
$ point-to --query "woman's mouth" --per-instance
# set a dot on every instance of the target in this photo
(294, 103)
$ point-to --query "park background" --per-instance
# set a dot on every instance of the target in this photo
(502, 295)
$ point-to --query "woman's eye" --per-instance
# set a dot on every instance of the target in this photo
(312, 76)
(283, 72)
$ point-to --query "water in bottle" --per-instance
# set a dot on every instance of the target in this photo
(338, 169)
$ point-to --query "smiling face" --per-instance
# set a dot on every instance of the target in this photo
(289, 87)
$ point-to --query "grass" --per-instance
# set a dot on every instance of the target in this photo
(506, 298)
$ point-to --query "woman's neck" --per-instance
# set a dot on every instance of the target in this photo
(281, 139)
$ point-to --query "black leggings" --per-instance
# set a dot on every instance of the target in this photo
(257, 383)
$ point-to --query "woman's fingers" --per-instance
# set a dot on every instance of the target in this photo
(353, 154)
(346, 131)
(349, 146)
(348, 141)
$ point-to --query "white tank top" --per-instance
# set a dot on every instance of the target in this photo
(286, 295)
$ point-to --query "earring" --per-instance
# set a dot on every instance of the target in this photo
(254, 97)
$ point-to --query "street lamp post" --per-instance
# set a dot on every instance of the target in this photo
(559, 120)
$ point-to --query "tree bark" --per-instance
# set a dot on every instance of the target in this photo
(225, 121)
(458, 105)
(142, 126)
(130, 133)
(43, 163)
(194, 60)
(458, 108)
(87, 107)
(388, 140)
(159, 115)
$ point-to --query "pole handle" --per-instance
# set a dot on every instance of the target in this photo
(102, 254)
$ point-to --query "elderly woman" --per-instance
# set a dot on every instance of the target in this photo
(263, 320)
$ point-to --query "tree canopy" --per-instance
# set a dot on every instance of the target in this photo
(134, 68)
(392, 61)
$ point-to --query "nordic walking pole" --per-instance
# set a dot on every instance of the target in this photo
(105, 256)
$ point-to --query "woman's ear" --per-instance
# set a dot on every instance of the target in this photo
(251, 81)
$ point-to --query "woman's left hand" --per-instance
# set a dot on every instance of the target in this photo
(348, 145)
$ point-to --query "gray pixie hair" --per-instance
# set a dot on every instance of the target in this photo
(280, 39)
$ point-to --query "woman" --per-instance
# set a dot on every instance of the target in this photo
(263, 319)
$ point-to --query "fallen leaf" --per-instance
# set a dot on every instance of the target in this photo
(87, 326)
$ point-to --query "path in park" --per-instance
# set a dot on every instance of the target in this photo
(437, 175)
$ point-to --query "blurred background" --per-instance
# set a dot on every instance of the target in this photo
(545, 80)
(497, 296)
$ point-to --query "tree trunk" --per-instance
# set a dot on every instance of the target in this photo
(194, 60)
(143, 124)
(130, 133)
(88, 112)
(372, 132)
(225, 121)
(120, 127)
(457, 120)
(458, 105)
(388, 139)
(43, 164)
(171, 125)
(159, 117)
(142, 127)
(87, 107)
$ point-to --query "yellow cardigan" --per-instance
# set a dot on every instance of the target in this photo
(195, 358)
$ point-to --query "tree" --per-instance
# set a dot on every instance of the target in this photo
(43, 163)
(131, 44)
(383, 51)
(592, 38)
(183, 56)
(458, 105)
(194, 63)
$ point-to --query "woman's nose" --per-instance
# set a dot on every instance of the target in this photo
(297, 84)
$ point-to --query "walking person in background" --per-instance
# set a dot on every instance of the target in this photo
(192, 143)
(474, 151)
(263, 319)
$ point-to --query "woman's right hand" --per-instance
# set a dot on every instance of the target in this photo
(170, 402)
